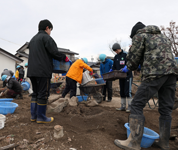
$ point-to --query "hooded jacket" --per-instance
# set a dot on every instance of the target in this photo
(106, 66)
(76, 70)
(153, 51)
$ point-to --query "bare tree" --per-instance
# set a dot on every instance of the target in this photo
(172, 34)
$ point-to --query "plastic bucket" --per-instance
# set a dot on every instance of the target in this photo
(149, 136)
(176, 58)
(2, 121)
(60, 66)
(99, 81)
(25, 85)
(81, 98)
(7, 107)
(6, 99)
(86, 78)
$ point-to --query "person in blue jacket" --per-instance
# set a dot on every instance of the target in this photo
(125, 84)
(105, 67)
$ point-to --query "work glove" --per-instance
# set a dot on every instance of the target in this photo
(139, 68)
(70, 62)
(110, 70)
(91, 73)
(67, 59)
(125, 70)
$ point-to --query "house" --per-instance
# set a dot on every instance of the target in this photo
(23, 53)
(8, 60)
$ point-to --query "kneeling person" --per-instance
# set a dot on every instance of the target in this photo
(13, 89)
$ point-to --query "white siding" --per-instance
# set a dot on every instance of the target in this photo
(7, 63)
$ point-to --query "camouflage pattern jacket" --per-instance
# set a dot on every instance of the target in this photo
(152, 50)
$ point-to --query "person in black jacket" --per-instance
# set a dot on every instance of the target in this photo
(8, 73)
(13, 90)
(42, 50)
(21, 74)
(125, 84)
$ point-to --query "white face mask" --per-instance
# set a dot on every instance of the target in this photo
(8, 78)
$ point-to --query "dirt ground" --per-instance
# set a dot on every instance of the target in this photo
(85, 128)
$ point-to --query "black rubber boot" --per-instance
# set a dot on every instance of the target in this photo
(33, 109)
(164, 131)
(136, 123)
(41, 114)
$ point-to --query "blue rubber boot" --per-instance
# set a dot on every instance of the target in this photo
(41, 114)
(33, 109)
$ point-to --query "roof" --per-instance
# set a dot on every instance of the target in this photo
(22, 54)
(15, 58)
(25, 46)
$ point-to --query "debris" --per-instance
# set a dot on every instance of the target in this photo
(58, 131)
(72, 149)
(9, 146)
(73, 101)
(42, 139)
(92, 103)
(69, 139)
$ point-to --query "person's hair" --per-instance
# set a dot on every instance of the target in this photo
(43, 24)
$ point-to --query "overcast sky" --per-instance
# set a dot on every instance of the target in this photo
(84, 26)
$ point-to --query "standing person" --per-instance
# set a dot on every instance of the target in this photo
(105, 67)
(13, 89)
(74, 75)
(152, 50)
(21, 73)
(17, 72)
(30, 91)
(120, 61)
(8, 73)
(42, 50)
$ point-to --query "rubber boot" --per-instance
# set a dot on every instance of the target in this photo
(33, 109)
(123, 104)
(129, 100)
(164, 131)
(41, 114)
(136, 123)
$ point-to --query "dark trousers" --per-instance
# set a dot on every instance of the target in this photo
(165, 86)
(41, 87)
(108, 86)
(71, 85)
(125, 87)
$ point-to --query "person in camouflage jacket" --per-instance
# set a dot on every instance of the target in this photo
(152, 50)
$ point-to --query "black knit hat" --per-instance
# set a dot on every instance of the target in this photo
(45, 23)
(116, 46)
(136, 27)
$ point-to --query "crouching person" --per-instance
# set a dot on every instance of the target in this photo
(74, 75)
(13, 90)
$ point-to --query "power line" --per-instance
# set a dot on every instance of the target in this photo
(9, 41)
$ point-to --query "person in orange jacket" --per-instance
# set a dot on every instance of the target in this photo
(74, 75)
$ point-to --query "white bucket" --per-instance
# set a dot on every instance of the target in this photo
(2, 121)
(86, 77)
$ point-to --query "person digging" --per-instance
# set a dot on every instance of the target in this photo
(13, 89)
(152, 50)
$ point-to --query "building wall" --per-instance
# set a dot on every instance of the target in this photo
(7, 63)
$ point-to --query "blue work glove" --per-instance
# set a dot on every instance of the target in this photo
(139, 68)
(102, 76)
(70, 62)
(125, 70)
(110, 70)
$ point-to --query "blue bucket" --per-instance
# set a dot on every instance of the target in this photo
(149, 136)
(81, 98)
(7, 107)
(6, 99)
(25, 85)
(60, 66)
(176, 58)
(99, 81)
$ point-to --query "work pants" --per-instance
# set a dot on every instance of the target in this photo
(71, 85)
(165, 86)
(41, 88)
(125, 87)
(108, 86)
